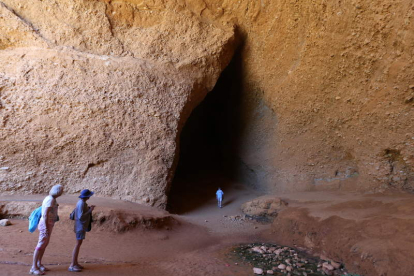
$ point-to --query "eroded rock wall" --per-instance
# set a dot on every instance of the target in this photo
(94, 95)
(327, 99)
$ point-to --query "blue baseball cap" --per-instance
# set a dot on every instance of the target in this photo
(86, 193)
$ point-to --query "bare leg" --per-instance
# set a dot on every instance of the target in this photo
(75, 253)
(39, 262)
(44, 238)
(36, 256)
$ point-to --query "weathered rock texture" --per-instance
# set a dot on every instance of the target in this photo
(327, 98)
(93, 94)
(99, 98)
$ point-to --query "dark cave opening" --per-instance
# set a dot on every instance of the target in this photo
(207, 144)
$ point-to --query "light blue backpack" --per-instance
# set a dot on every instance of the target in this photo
(34, 219)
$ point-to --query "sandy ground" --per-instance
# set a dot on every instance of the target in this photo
(197, 246)
(371, 234)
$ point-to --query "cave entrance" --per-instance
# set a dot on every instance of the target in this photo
(206, 146)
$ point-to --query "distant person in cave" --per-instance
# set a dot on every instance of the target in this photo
(83, 219)
(219, 195)
(45, 227)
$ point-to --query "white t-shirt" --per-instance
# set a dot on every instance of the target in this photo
(49, 201)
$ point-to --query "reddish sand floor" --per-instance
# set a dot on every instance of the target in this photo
(371, 234)
(195, 247)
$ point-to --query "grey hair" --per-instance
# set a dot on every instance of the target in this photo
(56, 190)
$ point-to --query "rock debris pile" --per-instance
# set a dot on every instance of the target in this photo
(272, 259)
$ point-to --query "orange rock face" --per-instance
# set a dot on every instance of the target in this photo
(327, 92)
(99, 104)
(94, 93)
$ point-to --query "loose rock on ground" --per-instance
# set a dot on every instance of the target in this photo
(5, 222)
(271, 259)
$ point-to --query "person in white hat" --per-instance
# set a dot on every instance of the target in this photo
(45, 227)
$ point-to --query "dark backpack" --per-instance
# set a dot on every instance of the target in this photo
(72, 215)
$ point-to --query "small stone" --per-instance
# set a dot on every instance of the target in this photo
(409, 100)
(258, 271)
(5, 222)
(270, 272)
(327, 271)
(4, 168)
(336, 265)
(289, 268)
(288, 261)
(411, 86)
(281, 266)
(278, 251)
(206, 220)
(257, 250)
(256, 227)
(327, 266)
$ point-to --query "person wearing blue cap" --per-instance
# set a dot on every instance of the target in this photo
(83, 216)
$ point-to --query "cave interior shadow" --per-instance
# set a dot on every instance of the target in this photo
(207, 144)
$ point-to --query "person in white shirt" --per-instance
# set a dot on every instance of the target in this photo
(45, 227)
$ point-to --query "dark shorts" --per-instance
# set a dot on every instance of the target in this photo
(80, 235)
